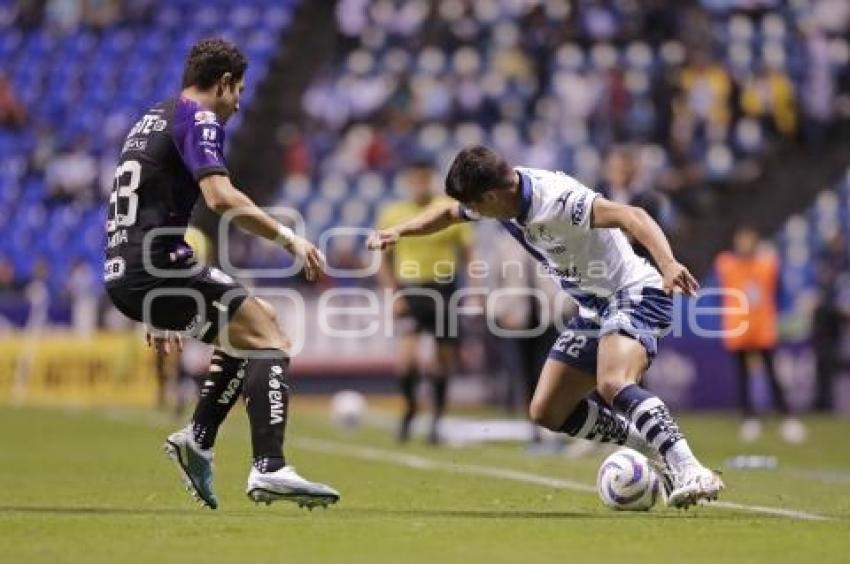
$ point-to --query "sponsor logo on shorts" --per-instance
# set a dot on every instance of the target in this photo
(113, 269)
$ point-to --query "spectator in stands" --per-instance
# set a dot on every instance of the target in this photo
(38, 295)
(830, 318)
(28, 13)
(71, 175)
(82, 290)
(621, 183)
(64, 16)
(768, 95)
(703, 110)
(44, 148)
(100, 14)
(297, 155)
(9, 283)
(750, 332)
(138, 12)
(818, 95)
(12, 112)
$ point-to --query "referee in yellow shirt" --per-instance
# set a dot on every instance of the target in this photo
(422, 272)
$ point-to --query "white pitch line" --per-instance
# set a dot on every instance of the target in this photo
(778, 511)
(423, 463)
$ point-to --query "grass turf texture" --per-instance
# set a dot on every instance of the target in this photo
(93, 486)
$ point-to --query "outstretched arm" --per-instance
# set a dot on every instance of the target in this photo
(428, 222)
(639, 225)
(221, 197)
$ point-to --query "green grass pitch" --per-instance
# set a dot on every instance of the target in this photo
(93, 486)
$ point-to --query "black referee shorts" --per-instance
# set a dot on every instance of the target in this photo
(429, 309)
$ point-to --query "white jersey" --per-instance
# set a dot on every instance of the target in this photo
(592, 265)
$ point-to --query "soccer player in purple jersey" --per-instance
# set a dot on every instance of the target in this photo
(172, 155)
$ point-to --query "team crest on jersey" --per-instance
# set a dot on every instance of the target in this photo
(205, 116)
(563, 201)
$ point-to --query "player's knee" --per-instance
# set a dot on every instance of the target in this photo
(541, 414)
(274, 338)
(609, 387)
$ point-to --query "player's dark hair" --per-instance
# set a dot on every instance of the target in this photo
(211, 58)
(476, 170)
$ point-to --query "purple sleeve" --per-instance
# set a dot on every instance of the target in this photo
(202, 146)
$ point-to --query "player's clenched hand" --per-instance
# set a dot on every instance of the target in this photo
(678, 278)
(382, 239)
(314, 260)
(162, 341)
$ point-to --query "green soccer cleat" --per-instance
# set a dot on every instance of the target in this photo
(195, 465)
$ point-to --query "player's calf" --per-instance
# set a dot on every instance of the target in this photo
(219, 392)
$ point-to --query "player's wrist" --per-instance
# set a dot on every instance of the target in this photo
(285, 237)
(666, 263)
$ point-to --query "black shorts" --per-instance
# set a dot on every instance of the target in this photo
(429, 310)
(200, 304)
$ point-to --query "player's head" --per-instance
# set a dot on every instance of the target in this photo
(420, 180)
(218, 67)
(745, 241)
(482, 180)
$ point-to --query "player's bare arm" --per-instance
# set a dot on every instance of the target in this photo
(221, 197)
(431, 221)
(638, 224)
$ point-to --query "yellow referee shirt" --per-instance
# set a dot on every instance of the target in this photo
(426, 259)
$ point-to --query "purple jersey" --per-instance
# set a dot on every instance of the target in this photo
(167, 152)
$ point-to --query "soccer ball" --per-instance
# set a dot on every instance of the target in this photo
(347, 408)
(627, 482)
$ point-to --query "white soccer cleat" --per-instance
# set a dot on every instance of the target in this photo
(285, 484)
(694, 484)
(665, 475)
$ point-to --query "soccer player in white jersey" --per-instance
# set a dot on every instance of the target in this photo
(589, 385)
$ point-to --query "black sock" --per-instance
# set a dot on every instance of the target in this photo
(593, 420)
(439, 389)
(219, 391)
(407, 383)
(267, 403)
